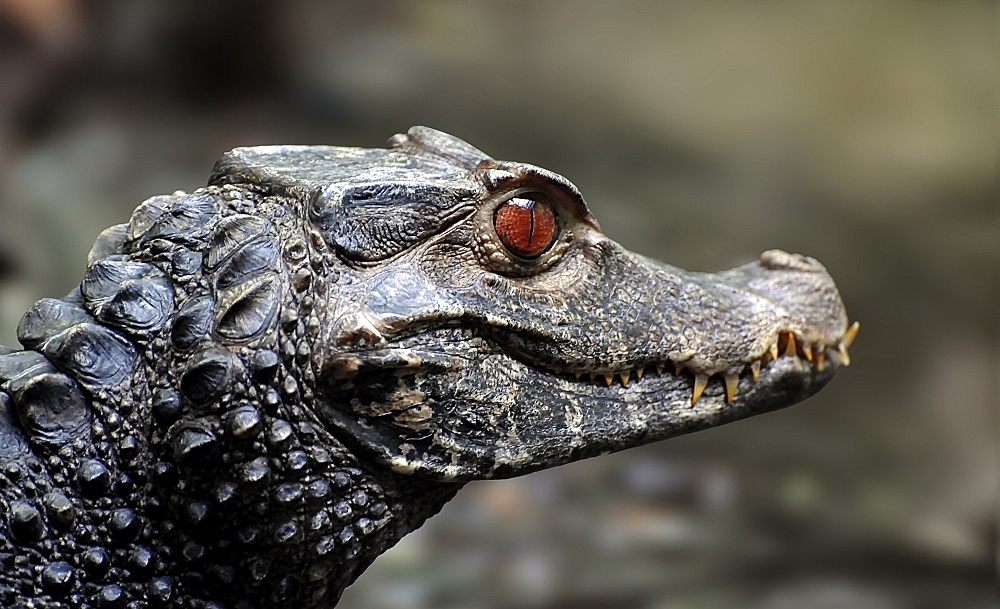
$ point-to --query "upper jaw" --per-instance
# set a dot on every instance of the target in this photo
(727, 324)
(632, 317)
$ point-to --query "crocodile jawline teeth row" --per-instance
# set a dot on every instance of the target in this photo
(788, 344)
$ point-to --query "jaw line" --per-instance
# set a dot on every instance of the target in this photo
(788, 345)
(404, 360)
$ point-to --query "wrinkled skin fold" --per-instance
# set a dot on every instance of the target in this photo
(261, 386)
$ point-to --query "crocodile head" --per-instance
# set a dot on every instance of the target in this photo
(480, 324)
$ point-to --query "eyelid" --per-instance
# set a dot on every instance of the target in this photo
(353, 220)
(505, 179)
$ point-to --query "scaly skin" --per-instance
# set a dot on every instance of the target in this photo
(261, 386)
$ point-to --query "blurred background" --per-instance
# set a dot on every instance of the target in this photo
(864, 133)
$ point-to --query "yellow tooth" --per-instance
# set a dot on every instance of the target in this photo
(609, 378)
(625, 376)
(659, 368)
(638, 373)
(732, 381)
(790, 345)
(820, 358)
(845, 359)
(755, 369)
(577, 374)
(677, 369)
(700, 382)
(807, 350)
(592, 375)
(851, 334)
(774, 350)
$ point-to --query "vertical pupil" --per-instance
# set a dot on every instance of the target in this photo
(529, 206)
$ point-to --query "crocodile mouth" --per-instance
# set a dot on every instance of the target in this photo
(406, 359)
(787, 344)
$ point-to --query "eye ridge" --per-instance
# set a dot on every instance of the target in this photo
(521, 223)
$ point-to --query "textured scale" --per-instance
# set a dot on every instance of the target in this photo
(186, 221)
(95, 355)
(51, 408)
(48, 317)
(231, 235)
(255, 258)
(208, 375)
(49, 405)
(13, 443)
(193, 322)
(260, 386)
(139, 306)
(248, 309)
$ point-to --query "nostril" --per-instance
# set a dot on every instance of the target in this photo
(780, 259)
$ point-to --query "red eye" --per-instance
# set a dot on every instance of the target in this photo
(527, 227)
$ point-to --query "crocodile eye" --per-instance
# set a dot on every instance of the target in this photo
(526, 227)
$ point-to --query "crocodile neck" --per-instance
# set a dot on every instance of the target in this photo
(291, 520)
(257, 498)
(198, 470)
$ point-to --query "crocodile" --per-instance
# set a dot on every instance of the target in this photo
(260, 386)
